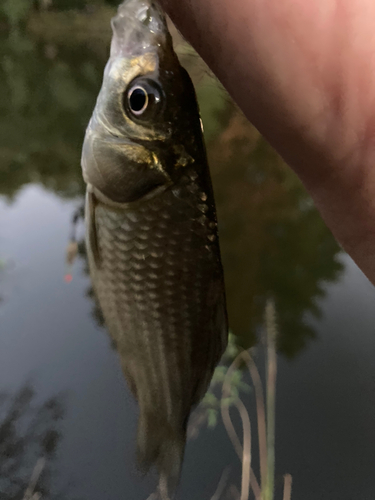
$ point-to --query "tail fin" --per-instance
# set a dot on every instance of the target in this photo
(161, 444)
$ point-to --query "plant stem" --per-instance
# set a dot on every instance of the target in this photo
(270, 396)
(38, 469)
(287, 487)
(261, 416)
(243, 452)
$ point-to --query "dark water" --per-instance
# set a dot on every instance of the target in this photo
(63, 395)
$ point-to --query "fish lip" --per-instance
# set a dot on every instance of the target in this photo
(138, 27)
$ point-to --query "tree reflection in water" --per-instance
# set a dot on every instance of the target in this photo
(273, 240)
(29, 436)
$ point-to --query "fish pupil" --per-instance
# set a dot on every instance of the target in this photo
(138, 100)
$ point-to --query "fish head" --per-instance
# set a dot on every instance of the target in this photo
(146, 120)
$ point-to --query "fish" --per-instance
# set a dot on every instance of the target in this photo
(151, 233)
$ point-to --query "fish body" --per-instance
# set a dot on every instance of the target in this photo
(152, 232)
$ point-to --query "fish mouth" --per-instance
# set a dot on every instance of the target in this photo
(138, 27)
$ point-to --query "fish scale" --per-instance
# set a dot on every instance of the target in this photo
(173, 280)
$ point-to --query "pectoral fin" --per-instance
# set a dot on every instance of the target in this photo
(92, 241)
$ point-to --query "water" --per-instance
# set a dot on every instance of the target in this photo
(273, 243)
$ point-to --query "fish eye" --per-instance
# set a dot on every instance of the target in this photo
(143, 98)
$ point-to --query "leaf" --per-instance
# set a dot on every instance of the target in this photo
(236, 377)
(210, 399)
(211, 418)
(229, 401)
(245, 387)
(234, 392)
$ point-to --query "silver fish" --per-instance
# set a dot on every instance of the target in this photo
(152, 233)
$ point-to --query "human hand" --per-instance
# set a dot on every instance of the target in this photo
(304, 74)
